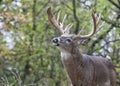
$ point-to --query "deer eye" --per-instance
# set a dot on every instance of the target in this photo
(68, 40)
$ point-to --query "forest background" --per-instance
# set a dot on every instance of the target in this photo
(27, 56)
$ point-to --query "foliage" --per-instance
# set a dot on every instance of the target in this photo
(27, 56)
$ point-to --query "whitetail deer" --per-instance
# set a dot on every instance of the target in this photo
(82, 70)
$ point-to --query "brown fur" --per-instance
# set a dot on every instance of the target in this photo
(85, 70)
(82, 70)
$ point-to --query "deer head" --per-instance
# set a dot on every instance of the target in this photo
(66, 42)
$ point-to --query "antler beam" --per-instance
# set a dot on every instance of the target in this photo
(58, 25)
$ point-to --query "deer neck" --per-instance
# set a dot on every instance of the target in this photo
(73, 56)
(72, 61)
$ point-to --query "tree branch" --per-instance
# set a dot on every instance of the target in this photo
(118, 1)
(67, 5)
(115, 4)
(75, 17)
(34, 15)
(112, 23)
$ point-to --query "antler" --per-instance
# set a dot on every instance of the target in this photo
(58, 25)
(94, 29)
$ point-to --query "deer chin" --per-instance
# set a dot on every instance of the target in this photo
(62, 49)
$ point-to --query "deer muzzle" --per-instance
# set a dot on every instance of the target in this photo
(56, 41)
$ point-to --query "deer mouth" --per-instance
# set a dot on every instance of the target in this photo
(56, 44)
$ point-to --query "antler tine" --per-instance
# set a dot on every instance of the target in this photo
(98, 19)
(99, 28)
(53, 20)
(58, 15)
(67, 28)
(81, 31)
(64, 18)
(95, 24)
(62, 23)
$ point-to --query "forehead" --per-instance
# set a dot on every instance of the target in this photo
(67, 35)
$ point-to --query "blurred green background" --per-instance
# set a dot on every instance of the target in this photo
(27, 57)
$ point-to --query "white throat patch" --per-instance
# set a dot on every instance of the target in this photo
(65, 55)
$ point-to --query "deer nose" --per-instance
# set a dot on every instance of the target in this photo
(55, 40)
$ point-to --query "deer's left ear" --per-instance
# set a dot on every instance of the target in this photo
(82, 41)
